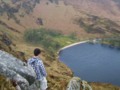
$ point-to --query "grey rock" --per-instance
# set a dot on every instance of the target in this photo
(85, 86)
(77, 84)
(33, 87)
(74, 84)
(15, 69)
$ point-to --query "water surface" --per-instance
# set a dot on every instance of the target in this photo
(93, 62)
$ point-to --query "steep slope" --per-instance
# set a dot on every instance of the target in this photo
(103, 8)
(12, 12)
(58, 73)
(56, 15)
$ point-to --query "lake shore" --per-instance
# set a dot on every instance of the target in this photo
(94, 47)
(68, 46)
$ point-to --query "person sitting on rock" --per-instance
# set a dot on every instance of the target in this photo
(39, 69)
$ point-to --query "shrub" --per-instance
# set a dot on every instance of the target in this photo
(50, 40)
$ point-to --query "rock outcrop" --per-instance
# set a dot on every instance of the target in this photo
(86, 86)
(74, 84)
(15, 69)
(77, 84)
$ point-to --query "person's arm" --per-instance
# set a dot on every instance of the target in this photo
(42, 69)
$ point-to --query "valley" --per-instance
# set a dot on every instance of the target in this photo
(84, 19)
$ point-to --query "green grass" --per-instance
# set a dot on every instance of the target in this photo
(65, 40)
(50, 40)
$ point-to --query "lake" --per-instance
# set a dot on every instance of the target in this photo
(93, 62)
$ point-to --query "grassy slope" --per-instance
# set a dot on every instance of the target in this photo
(100, 8)
(58, 73)
(58, 17)
(103, 86)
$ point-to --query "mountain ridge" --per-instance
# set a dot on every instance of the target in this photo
(104, 8)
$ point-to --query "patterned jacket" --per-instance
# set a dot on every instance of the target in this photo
(38, 67)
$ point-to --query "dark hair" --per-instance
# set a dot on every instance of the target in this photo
(37, 51)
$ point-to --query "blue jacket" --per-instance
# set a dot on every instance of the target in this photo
(38, 67)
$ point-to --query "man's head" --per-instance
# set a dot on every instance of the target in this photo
(37, 52)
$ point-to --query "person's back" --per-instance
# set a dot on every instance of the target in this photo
(39, 69)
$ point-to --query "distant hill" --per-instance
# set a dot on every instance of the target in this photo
(103, 8)
(60, 15)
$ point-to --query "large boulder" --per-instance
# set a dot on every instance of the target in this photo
(17, 70)
(74, 84)
(77, 84)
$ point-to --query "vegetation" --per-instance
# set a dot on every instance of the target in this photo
(94, 24)
(14, 7)
(50, 40)
(114, 42)
(5, 84)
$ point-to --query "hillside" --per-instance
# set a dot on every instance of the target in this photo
(58, 73)
(59, 16)
(20, 15)
(103, 8)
